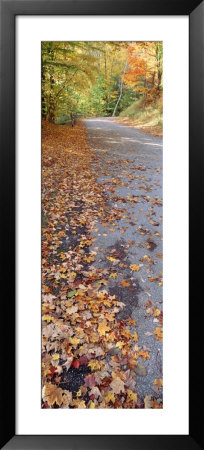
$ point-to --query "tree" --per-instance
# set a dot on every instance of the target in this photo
(67, 68)
(144, 71)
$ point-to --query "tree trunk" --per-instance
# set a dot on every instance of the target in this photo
(119, 98)
(51, 104)
(43, 98)
(121, 91)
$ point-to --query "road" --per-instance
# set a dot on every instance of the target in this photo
(128, 163)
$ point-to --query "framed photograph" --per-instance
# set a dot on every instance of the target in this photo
(101, 159)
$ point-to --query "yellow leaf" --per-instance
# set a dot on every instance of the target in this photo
(94, 364)
(125, 283)
(158, 382)
(91, 405)
(134, 336)
(52, 394)
(78, 403)
(132, 396)
(102, 328)
(145, 355)
(134, 267)
(48, 318)
(157, 312)
(56, 356)
(110, 258)
(120, 344)
(74, 341)
(158, 334)
(110, 397)
(113, 275)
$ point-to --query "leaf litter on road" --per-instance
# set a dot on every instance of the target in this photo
(89, 358)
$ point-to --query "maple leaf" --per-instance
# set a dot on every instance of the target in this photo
(110, 397)
(132, 396)
(157, 312)
(94, 364)
(145, 355)
(95, 391)
(158, 382)
(48, 318)
(74, 341)
(117, 386)
(152, 279)
(102, 328)
(158, 334)
(113, 275)
(76, 363)
(68, 362)
(67, 399)
(79, 393)
(134, 336)
(156, 404)
(56, 356)
(120, 344)
(52, 394)
(148, 402)
(90, 381)
(91, 405)
(134, 267)
(131, 321)
(71, 294)
(72, 310)
(125, 283)
(48, 298)
(78, 403)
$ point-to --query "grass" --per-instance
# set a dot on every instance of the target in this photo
(147, 117)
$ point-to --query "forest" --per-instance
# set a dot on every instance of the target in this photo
(102, 253)
(100, 79)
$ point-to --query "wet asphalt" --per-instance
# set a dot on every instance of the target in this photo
(128, 163)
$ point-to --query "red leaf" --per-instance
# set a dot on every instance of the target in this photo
(76, 363)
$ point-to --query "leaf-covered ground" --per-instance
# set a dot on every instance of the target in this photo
(92, 356)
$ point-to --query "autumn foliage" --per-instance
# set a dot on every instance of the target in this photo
(90, 358)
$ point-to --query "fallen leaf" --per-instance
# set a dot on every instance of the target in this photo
(71, 294)
(103, 328)
(113, 275)
(131, 396)
(135, 268)
(110, 397)
(158, 382)
(52, 394)
(158, 334)
(47, 318)
(148, 402)
(125, 283)
(117, 386)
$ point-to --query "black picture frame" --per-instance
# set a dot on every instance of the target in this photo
(9, 10)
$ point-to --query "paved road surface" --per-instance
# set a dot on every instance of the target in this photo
(129, 165)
